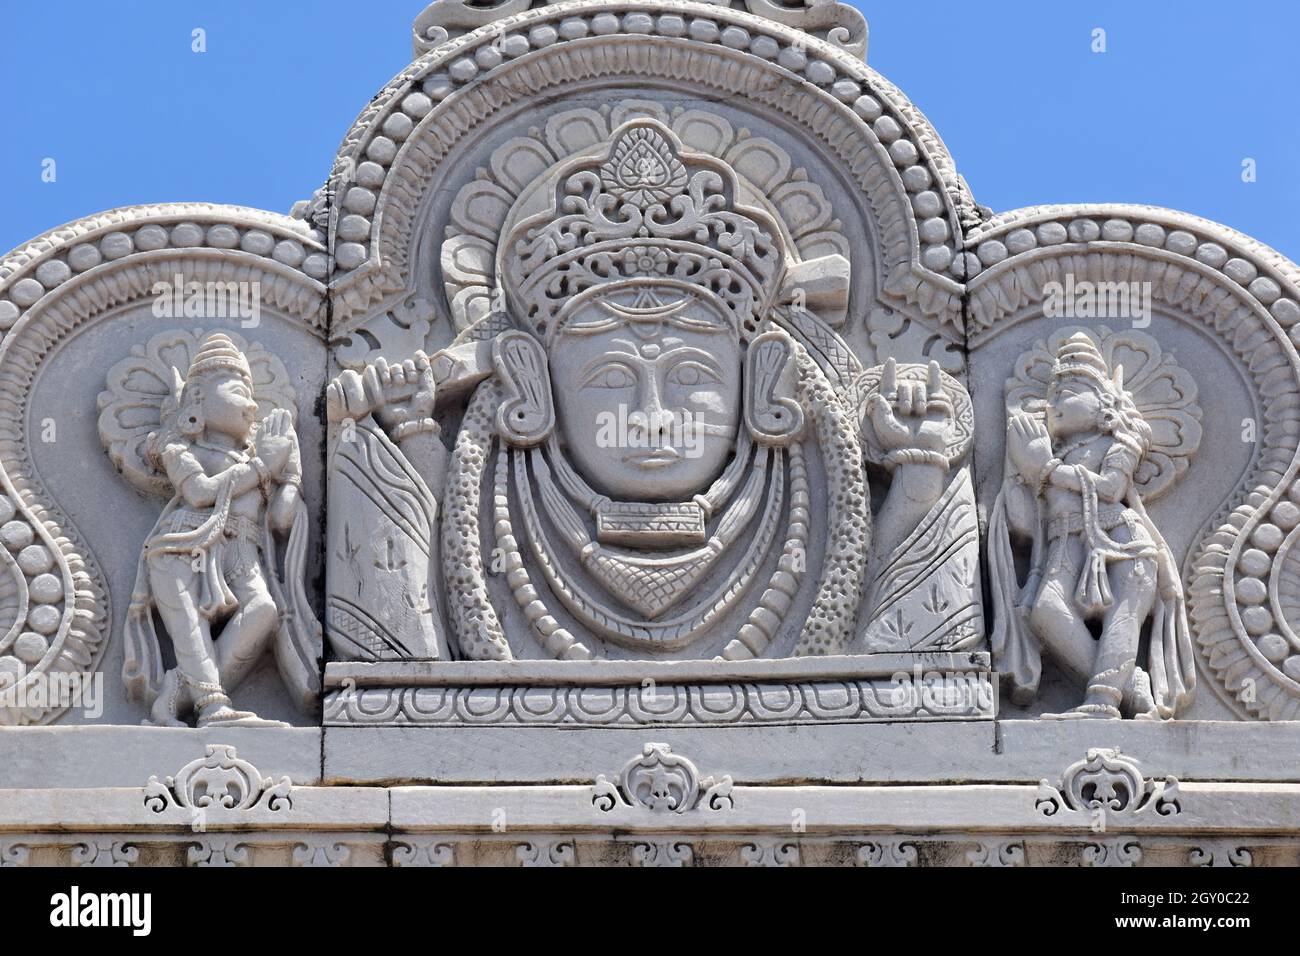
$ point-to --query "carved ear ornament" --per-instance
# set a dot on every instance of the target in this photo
(772, 413)
(527, 416)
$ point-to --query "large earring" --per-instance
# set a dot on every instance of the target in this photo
(527, 416)
(772, 413)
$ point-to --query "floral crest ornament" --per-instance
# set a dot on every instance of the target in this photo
(220, 780)
(662, 782)
(1106, 782)
(642, 170)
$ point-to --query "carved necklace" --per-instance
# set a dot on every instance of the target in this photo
(649, 585)
(618, 628)
(657, 524)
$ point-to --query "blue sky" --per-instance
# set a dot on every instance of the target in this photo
(1184, 93)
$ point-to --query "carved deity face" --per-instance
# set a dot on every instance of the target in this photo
(227, 404)
(648, 408)
(1073, 407)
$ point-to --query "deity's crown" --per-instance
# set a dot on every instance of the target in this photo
(642, 215)
(1079, 356)
(218, 353)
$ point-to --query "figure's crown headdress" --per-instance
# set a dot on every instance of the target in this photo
(648, 219)
(1078, 355)
(219, 353)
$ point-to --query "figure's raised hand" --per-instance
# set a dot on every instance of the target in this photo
(394, 392)
(406, 390)
(1028, 445)
(277, 443)
(346, 399)
(910, 413)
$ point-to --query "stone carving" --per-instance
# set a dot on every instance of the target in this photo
(546, 853)
(1220, 853)
(412, 851)
(924, 594)
(997, 853)
(219, 440)
(889, 151)
(662, 782)
(650, 327)
(890, 853)
(218, 851)
(218, 781)
(446, 20)
(770, 852)
(1109, 784)
(1120, 851)
(644, 409)
(1088, 439)
(1218, 284)
(105, 853)
(663, 853)
(321, 853)
(937, 695)
(13, 853)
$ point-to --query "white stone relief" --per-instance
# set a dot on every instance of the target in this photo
(1220, 853)
(446, 20)
(1116, 852)
(104, 853)
(1098, 423)
(219, 780)
(13, 853)
(997, 853)
(1105, 785)
(1217, 283)
(662, 782)
(411, 851)
(637, 322)
(221, 852)
(663, 854)
(954, 690)
(546, 853)
(321, 853)
(193, 419)
(770, 852)
(548, 250)
(887, 853)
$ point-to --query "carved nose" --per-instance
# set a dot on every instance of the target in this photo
(655, 423)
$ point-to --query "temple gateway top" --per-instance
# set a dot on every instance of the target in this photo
(647, 341)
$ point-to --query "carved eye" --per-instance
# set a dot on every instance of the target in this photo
(611, 376)
(692, 373)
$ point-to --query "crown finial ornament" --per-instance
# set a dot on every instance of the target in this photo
(219, 353)
(643, 226)
(1079, 355)
(643, 170)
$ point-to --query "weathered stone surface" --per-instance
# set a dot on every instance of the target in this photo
(57, 758)
(608, 465)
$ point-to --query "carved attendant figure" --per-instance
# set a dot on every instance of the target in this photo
(1097, 560)
(210, 561)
